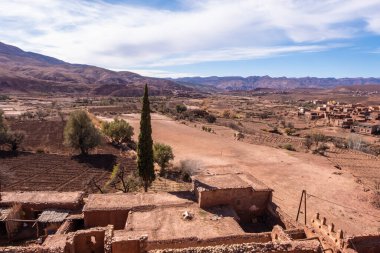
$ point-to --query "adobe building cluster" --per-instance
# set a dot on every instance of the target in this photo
(223, 213)
(360, 119)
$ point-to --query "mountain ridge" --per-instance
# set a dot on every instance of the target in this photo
(29, 72)
(255, 82)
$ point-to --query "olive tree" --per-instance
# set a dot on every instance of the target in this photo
(118, 130)
(14, 139)
(80, 133)
(162, 154)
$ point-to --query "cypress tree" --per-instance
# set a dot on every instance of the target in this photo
(145, 144)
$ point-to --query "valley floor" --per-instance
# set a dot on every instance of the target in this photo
(338, 196)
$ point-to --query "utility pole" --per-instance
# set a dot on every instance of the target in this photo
(303, 196)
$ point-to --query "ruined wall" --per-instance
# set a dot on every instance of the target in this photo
(36, 249)
(311, 246)
(241, 199)
(86, 241)
(13, 226)
(199, 242)
(129, 246)
(363, 244)
(117, 218)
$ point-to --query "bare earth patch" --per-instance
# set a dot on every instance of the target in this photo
(343, 200)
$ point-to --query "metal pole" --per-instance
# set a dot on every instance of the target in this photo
(305, 205)
(299, 207)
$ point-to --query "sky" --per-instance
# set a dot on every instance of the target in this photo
(176, 38)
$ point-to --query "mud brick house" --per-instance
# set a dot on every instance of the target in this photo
(230, 212)
(367, 128)
(30, 214)
(248, 197)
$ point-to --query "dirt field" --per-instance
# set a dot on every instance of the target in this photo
(46, 164)
(343, 202)
(48, 172)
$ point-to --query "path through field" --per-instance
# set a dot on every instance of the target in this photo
(287, 172)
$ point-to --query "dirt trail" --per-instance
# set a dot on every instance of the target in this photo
(287, 172)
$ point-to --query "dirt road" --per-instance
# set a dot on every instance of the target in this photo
(287, 172)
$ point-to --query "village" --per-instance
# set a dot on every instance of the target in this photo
(355, 117)
(233, 212)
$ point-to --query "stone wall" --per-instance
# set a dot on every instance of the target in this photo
(311, 246)
(199, 242)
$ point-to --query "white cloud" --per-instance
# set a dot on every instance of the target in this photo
(124, 36)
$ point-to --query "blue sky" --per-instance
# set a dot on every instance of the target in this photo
(174, 38)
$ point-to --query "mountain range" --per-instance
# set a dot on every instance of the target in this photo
(28, 72)
(282, 83)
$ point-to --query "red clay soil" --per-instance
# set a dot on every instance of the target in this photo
(343, 201)
(46, 164)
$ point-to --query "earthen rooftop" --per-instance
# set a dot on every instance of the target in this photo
(230, 181)
(167, 223)
(41, 197)
(128, 201)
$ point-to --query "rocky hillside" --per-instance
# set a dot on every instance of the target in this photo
(29, 72)
(254, 82)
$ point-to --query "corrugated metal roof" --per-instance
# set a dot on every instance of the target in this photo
(4, 213)
(52, 216)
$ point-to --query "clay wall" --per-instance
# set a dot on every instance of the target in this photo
(94, 240)
(128, 246)
(13, 226)
(37, 249)
(198, 242)
(311, 246)
(364, 244)
(117, 218)
(241, 199)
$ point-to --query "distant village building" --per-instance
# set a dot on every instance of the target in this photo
(367, 128)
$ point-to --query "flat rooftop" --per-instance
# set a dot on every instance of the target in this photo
(41, 197)
(167, 223)
(229, 181)
(126, 201)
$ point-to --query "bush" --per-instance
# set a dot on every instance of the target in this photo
(162, 154)
(80, 133)
(308, 142)
(227, 114)
(210, 118)
(206, 129)
(318, 137)
(321, 150)
(289, 147)
(181, 108)
(187, 168)
(339, 143)
(14, 139)
(275, 131)
(118, 130)
(4, 97)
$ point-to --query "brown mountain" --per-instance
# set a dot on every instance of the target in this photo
(282, 83)
(29, 72)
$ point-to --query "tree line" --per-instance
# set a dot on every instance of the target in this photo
(81, 134)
